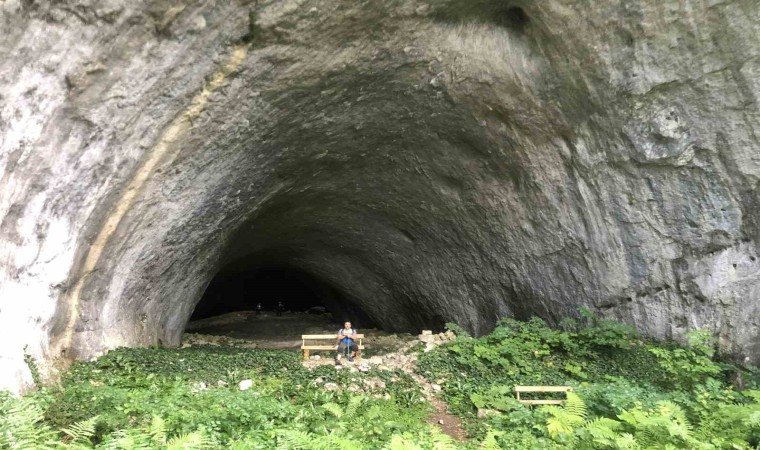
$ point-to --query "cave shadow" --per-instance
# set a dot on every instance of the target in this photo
(311, 305)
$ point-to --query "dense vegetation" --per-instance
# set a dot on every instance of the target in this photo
(190, 398)
(628, 394)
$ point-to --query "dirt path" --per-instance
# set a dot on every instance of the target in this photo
(384, 351)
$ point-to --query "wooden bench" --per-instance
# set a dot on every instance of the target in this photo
(527, 389)
(308, 347)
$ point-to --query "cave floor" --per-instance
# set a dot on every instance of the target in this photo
(268, 330)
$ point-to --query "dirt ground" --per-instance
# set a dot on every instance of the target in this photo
(267, 330)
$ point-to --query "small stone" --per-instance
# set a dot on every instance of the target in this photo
(427, 333)
(199, 23)
(245, 385)
(440, 421)
(376, 360)
(331, 386)
(315, 357)
(221, 383)
(435, 387)
(427, 338)
(319, 380)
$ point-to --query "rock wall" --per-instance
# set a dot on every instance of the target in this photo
(434, 160)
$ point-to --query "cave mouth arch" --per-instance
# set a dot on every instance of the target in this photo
(241, 284)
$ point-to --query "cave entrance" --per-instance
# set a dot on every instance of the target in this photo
(311, 305)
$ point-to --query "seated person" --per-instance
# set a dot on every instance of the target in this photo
(346, 343)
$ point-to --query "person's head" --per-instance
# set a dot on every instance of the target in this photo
(347, 325)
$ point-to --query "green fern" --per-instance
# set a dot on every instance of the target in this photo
(564, 420)
(22, 427)
(334, 409)
(441, 441)
(295, 439)
(353, 405)
(626, 441)
(81, 433)
(192, 441)
(602, 431)
(399, 442)
(575, 405)
(157, 431)
(490, 442)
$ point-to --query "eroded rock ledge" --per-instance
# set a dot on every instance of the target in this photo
(434, 161)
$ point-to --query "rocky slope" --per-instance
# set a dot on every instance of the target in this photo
(433, 160)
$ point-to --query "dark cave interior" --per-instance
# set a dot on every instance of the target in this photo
(240, 285)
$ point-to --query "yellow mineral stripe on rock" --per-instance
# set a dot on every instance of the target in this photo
(176, 128)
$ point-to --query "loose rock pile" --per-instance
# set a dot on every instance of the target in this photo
(433, 340)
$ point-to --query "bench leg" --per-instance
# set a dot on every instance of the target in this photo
(305, 354)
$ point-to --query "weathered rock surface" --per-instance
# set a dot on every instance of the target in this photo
(434, 160)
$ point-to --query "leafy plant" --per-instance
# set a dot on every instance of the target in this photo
(689, 366)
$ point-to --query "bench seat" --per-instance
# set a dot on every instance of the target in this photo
(307, 348)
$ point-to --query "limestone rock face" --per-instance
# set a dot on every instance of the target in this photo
(434, 160)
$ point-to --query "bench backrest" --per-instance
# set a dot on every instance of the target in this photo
(543, 388)
(327, 336)
(519, 389)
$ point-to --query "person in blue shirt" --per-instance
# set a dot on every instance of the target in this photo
(346, 343)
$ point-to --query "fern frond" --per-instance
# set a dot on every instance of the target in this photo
(441, 441)
(191, 441)
(602, 431)
(22, 428)
(82, 432)
(353, 405)
(753, 420)
(399, 442)
(490, 442)
(127, 440)
(626, 441)
(333, 442)
(294, 439)
(157, 431)
(334, 409)
(575, 405)
(753, 394)
(561, 420)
